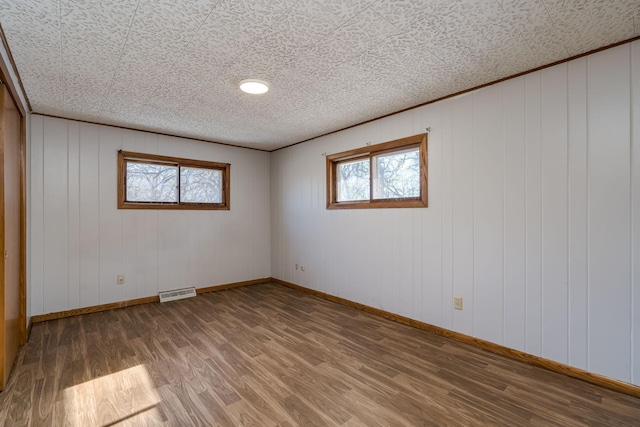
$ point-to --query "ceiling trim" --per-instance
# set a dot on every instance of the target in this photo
(6, 73)
(338, 130)
(148, 131)
(533, 70)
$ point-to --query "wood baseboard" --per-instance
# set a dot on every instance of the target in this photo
(29, 326)
(121, 304)
(531, 359)
(232, 285)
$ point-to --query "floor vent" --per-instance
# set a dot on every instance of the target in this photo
(177, 294)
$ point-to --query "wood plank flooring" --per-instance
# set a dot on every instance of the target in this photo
(266, 355)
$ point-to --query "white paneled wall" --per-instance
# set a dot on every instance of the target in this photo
(533, 217)
(80, 241)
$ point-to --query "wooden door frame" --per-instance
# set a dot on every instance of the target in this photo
(13, 91)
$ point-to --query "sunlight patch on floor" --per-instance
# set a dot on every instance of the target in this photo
(124, 397)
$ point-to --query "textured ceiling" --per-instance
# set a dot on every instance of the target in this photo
(173, 66)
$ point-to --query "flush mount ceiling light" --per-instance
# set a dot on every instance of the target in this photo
(254, 87)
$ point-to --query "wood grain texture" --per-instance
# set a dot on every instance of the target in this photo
(232, 285)
(11, 319)
(121, 304)
(268, 355)
(518, 355)
(4, 71)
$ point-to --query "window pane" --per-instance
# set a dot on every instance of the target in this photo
(397, 175)
(198, 185)
(353, 180)
(151, 183)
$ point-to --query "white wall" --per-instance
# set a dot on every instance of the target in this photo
(80, 241)
(533, 217)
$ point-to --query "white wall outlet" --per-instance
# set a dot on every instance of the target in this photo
(457, 303)
(120, 279)
(302, 267)
(296, 266)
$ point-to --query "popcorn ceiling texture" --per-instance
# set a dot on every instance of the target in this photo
(174, 66)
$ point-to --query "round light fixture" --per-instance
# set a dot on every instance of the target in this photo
(254, 87)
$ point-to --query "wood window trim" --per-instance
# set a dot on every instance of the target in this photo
(123, 156)
(370, 151)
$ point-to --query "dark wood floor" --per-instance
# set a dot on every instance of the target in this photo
(266, 355)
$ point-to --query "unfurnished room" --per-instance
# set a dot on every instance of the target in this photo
(319, 213)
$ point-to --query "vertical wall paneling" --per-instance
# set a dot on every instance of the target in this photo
(236, 257)
(404, 243)
(56, 237)
(263, 262)
(80, 241)
(532, 218)
(514, 213)
(488, 213)
(577, 212)
(635, 209)
(533, 226)
(534, 193)
(148, 227)
(463, 209)
(432, 308)
(110, 218)
(609, 208)
(132, 238)
(89, 216)
(447, 215)
(276, 217)
(554, 214)
(35, 292)
(73, 219)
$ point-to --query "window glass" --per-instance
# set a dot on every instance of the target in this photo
(148, 182)
(199, 185)
(353, 180)
(152, 181)
(397, 174)
(391, 174)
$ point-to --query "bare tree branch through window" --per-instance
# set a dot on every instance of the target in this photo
(391, 174)
(148, 181)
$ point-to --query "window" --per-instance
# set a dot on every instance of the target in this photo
(388, 175)
(147, 181)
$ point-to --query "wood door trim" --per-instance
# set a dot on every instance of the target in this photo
(541, 362)
(4, 73)
(121, 304)
(3, 378)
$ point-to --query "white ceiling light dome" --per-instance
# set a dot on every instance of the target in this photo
(254, 86)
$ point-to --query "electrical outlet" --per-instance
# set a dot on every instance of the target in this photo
(120, 280)
(296, 266)
(457, 303)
